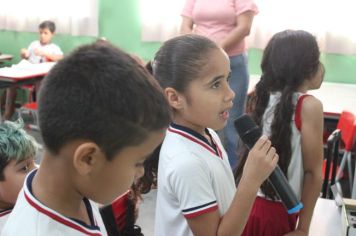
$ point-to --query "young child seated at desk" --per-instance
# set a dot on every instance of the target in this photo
(42, 50)
(95, 145)
(17, 152)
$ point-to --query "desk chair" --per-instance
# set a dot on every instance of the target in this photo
(332, 155)
(30, 88)
(347, 126)
(31, 110)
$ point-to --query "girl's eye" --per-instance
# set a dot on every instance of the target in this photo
(216, 85)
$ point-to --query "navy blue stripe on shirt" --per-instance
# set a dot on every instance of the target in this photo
(198, 207)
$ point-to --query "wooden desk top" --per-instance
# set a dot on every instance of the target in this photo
(326, 220)
(24, 71)
(5, 57)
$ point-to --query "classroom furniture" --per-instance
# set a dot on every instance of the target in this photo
(347, 126)
(19, 75)
(31, 110)
(24, 74)
(331, 160)
(326, 220)
(5, 57)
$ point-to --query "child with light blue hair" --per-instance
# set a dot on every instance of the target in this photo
(17, 152)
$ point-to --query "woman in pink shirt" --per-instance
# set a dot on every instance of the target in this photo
(227, 22)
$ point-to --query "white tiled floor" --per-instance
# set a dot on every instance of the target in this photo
(146, 216)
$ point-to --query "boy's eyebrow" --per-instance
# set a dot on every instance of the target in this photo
(20, 161)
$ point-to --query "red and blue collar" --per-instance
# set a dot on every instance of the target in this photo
(197, 138)
(5, 212)
(92, 230)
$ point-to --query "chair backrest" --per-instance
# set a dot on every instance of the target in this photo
(332, 155)
(347, 125)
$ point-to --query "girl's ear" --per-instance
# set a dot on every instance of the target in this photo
(86, 158)
(175, 99)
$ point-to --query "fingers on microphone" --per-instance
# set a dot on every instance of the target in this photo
(275, 159)
(271, 152)
(262, 142)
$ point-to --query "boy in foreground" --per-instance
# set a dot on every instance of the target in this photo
(100, 114)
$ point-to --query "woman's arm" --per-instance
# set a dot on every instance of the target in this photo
(187, 25)
(312, 151)
(242, 29)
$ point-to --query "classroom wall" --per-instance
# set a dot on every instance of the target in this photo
(339, 68)
(119, 22)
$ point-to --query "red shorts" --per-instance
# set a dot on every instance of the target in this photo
(269, 218)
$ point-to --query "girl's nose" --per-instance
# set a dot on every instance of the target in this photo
(229, 94)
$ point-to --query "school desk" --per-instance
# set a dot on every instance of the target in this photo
(23, 73)
(5, 57)
(326, 220)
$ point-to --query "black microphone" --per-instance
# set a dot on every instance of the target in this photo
(249, 133)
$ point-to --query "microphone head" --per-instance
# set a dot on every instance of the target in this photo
(243, 124)
(247, 129)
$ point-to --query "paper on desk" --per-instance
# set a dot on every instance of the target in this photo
(26, 69)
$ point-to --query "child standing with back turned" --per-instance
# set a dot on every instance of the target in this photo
(196, 188)
(294, 122)
(94, 145)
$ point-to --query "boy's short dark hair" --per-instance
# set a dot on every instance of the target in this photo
(15, 145)
(99, 93)
(48, 25)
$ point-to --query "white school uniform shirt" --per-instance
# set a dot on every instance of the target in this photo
(30, 217)
(50, 48)
(295, 173)
(194, 178)
(4, 215)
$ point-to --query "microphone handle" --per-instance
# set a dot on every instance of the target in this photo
(284, 191)
(277, 178)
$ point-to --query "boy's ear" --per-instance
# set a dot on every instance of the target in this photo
(86, 156)
(175, 99)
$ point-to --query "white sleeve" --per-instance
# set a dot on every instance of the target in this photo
(55, 50)
(190, 182)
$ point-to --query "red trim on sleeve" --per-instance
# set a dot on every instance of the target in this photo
(298, 112)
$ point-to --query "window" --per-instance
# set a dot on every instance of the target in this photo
(160, 19)
(74, 17)
(330, 21)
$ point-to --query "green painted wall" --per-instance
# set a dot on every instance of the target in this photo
(339, 68)
(119, 22)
